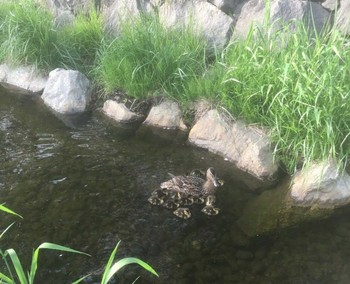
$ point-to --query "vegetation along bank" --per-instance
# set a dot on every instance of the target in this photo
(295, 84)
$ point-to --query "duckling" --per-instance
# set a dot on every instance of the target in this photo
(200, 199)
(154, 200)
(209, 209)
(183, 213)
(171, 204)
(187, 200)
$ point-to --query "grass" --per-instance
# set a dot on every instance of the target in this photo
(300, 91)
(147, 58)
(296, 86)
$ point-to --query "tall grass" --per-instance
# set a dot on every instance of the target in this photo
(80, 42)
(147, 58)
(29, 36)
(298, 86)
(29, 33)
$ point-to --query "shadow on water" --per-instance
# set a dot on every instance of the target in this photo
(87, 187)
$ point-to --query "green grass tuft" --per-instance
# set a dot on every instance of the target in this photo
(299, 87)
(147, 58)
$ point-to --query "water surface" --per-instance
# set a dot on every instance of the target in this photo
(85, 183)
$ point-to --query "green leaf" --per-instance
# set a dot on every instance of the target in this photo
(5, 279)
(7, 210)
(109, 264)
(17, 265)
(126, 261)
(80, 279)
(8, 227)
(50, 246)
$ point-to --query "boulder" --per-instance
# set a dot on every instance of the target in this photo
(123, 10)
(282, 12)
(342, 18)
(26, 78)
(67, 91)
(166, 115)
(330, 5)
(229, 7)
(205, 18)
(320, 185)
(311, 194)
(273, 210)
(119, 112)
(247, 147)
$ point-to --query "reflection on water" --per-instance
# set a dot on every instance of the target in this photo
(87, 188)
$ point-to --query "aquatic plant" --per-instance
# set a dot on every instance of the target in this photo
(110, 269)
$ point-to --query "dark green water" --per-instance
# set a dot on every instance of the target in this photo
(87, 187)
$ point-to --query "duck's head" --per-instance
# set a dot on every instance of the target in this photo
(211, 176)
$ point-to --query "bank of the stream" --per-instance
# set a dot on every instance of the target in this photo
(296, 85)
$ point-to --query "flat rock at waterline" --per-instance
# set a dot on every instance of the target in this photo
(26, 78)
(119, 112)
(166, 115)
(67, 91)
(248, 148)
(321, 185)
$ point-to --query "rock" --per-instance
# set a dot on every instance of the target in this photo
(166, 115)
(26, 78)
(282, 12)
(205, 18)
(273, 210)
(120, 112)
(123, 10)
(249, 149)
(330, 5)
(342, 19)
(67, 91)
(227, 6)
(321, 185)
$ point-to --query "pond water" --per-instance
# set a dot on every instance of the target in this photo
(84, 183)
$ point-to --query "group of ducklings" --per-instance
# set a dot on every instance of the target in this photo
(195, 188)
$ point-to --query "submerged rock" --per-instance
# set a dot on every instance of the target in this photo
(273, 210)
(166, 115)
(119, 112)
(26, 78)
(321, 185)
(67, 91)
(248, 148)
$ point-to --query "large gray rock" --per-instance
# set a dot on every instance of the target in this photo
(248, 148)
(282, 12)
(166, 115)
(120, 112)
(205, 18)
(67, 91)
(321, 185)
(229, 7)
(343, 17)
(26, 78)
(330, 5)
(123, 10)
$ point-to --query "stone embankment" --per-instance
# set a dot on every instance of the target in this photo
(311, 193)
